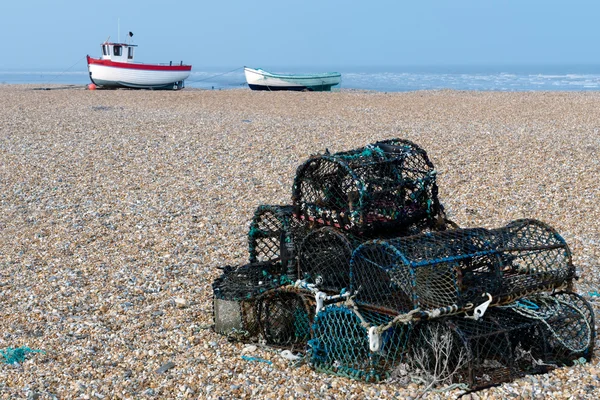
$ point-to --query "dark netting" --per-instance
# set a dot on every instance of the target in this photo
(340, 344)
(324, 259)
(246, 281)
(456, 270)
(324, 254)
(532, 335)
(383, 282)
(585, 327)
(386, 183)
(480, 352)
(274, 236)
(568, 323)
(264, 311)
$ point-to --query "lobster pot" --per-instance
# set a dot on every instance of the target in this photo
(281, 317)
(284, 317)
(479, 353)
(533, 255)
(274, 236)
(568, 323)
(340, 344)
(234, 288)
(385, 183)
(450, 271)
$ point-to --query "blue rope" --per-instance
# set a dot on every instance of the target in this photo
(248, 358)
(17, 355)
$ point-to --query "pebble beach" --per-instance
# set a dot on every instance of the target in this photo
(117, 207)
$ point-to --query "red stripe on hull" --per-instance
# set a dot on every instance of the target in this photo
(147, 67)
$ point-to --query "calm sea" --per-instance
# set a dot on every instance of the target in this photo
(384, 79)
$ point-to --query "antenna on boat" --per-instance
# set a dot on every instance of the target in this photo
(118, 30)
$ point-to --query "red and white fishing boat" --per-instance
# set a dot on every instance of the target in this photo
(117, 68)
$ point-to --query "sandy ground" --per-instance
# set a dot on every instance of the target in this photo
(116, 207)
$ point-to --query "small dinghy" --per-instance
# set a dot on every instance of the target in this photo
(259, 79)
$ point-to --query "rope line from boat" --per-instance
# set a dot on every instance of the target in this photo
(66, 70)
(214, 76)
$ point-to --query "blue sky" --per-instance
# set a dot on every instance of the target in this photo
(45, 34)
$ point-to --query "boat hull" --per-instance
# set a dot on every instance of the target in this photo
(111, 74)
(261, 80)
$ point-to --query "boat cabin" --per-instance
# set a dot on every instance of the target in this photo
(120, 52)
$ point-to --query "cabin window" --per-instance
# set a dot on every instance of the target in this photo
(117, 50)
(104, 50)
(130, 53)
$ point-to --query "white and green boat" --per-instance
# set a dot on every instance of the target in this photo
(259, 79)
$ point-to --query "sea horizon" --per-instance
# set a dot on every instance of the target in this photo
(504, 78)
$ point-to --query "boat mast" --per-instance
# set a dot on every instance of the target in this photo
(118, 30)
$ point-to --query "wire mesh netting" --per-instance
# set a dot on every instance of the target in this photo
(567, 320)
(284, 317)
(450, 271)
(385, 183)
(531, 336)
(340, 344)
(249, 280)
(324, 259)
(274, 236)
(478, 353)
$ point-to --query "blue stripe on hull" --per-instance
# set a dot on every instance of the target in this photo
(321, 88)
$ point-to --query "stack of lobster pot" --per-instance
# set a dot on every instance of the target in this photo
(365, 274)
(299, 254)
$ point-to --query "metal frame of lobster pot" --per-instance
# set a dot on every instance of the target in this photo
(388, 183)
(282, 317)
(479, 353)
(452, 271)
(324, 259)
(568, 324)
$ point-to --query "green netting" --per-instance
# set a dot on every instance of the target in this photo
(340, 344)
(16, 355)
